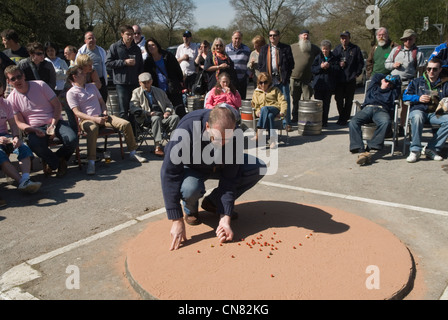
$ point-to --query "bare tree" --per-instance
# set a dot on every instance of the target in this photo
(266, 15)
(114, 13)
(172, 14)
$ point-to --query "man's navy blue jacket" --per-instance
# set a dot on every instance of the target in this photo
(193, 125)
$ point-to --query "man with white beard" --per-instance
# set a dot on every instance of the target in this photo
(379, 53)
(304, 53)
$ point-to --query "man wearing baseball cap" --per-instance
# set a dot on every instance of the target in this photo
(186, 55)
(351, 62)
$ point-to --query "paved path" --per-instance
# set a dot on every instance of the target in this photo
(80, 225)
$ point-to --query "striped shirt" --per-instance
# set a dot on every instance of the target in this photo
(240, 58)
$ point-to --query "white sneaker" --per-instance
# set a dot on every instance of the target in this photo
(413, 157)
(136, 157)
(29, 186)
(431, 154)
(90, 169)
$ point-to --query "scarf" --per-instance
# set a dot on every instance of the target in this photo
(219, 56)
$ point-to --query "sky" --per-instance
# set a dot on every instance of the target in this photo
(213, 13)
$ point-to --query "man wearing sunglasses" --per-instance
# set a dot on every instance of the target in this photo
(424, 94)
(277, 60)
(37, 112)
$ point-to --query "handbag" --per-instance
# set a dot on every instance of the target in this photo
(198, 87)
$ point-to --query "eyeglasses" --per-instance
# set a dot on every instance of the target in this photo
(273, 35)
(432, 69)
(263, 82)
(16, 78)
(219, 45)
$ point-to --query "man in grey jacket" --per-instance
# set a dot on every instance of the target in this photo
(151, 106)
(125, 60)
(405, 61)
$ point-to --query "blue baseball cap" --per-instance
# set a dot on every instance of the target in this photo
(395, 80)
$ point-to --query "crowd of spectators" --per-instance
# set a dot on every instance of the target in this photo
(38, 83)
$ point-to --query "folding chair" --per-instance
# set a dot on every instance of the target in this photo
(143, 131)
(249, 119)
(104, 132)
(369, 128)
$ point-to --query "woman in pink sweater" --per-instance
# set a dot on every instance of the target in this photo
(223, 92)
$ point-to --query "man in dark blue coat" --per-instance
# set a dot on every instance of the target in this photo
(352, 63)
(199, 150)
(378, 107)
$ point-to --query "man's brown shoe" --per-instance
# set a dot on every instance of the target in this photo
(62, 170)
(192, 219)
(364, 158)
(159, 152)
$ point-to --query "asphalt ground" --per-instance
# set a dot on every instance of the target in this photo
(69, 240)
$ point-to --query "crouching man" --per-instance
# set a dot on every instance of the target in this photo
(199, 150)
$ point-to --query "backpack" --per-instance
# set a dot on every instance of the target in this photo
(414, 54)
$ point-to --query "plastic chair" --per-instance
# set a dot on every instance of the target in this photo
(249, 119)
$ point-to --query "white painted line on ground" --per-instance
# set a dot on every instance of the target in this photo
(24, 272)
(360, 199)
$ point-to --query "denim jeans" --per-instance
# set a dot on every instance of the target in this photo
(193, 185)
(418, 119)
(284, 88)
(267, 119)
(124, 94)
(22, 152)
(369, 114)
(40, 147)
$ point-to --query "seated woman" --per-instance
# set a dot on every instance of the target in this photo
(223, 92)
(268, 102)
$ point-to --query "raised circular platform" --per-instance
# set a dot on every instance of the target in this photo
(281, 250)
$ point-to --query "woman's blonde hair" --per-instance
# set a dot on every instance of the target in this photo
(84, 60)
(264, 76)
(217, 40)
(259, 40)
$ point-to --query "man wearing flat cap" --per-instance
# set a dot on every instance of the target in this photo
(304, 53)
(351, 62)
(151, 106)
(406, 62)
